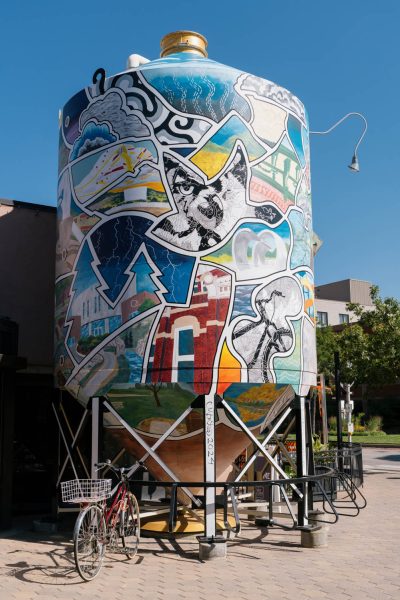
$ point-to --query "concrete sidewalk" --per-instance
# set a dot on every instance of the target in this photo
(381, 459)
(362, 562)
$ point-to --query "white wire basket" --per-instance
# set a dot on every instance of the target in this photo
(85, 490)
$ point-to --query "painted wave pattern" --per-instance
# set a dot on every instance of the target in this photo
(184, 251)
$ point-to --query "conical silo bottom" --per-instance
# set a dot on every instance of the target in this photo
(183, 451)
(184, 456)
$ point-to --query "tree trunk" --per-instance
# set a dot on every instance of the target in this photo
(156, 396)
(364, 399)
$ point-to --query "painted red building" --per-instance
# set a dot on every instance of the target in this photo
(187, 338)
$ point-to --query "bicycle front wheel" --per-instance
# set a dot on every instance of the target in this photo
(89, 542)
(130, 526)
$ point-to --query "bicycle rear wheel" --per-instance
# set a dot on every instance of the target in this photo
(130, 526)
(89, 542)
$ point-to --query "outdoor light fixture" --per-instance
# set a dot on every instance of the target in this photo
(353, 166)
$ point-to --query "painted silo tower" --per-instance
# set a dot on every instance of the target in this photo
(184, 253)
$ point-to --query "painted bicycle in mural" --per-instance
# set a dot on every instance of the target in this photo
(114, 526)
(279, 339)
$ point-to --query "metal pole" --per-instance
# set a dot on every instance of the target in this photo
(325, 435)
(310, 449)
(301, 457)
(209, 465)
(210, 545)
(338, 406)
(348, 407)
(95, 437)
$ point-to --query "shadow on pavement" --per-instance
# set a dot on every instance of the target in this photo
(395, 457)
(55, 566)
(51, 567)
(171, 548)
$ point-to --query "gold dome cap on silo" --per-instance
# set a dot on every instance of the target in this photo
(183, 41)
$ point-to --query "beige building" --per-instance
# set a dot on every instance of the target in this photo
(331, 301)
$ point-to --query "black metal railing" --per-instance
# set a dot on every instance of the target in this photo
(230, 491)
(347, 460)
(343, 488)
(335, 483)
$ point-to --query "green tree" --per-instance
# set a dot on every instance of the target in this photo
(327, 344)
(369, 349)
(155, 388)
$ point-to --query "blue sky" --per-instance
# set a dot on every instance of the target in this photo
(336, 56)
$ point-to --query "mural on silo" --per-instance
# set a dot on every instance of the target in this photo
(184, 252)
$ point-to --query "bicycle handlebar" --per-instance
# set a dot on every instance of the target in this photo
(117, 470)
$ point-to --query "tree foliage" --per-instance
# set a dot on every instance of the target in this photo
(369, 349)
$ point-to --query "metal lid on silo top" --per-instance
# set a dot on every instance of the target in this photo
(183, 41)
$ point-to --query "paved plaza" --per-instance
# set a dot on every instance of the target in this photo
(362, 560)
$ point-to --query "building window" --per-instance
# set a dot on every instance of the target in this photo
(343, 318)
(322, 319)
(150, 363)
(98, 328)
(186, 371)
(184, 355)
(186, 342)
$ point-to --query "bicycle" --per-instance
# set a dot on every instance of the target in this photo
(116, 526)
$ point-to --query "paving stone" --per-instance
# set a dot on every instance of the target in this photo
(361, 562)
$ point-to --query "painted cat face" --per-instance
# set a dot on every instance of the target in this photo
(207, 212)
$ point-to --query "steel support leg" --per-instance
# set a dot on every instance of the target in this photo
(301, 456)
(209, 466)
(210, 545)
(94, 456)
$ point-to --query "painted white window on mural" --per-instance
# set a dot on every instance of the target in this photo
(151, 362)
(98, 329)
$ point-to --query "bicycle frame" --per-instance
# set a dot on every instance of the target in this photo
(121, 491)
